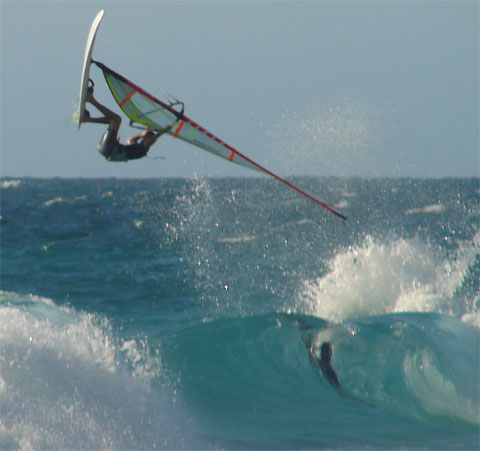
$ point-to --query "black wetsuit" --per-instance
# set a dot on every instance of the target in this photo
(327, 370)
(324, 362)
(329, 374)
(325, 351)
(112, 150)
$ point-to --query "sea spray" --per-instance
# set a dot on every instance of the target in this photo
(341, 136)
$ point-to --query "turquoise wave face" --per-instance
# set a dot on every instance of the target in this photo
(252, 377)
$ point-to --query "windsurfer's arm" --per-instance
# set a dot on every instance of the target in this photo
(134, 138)
(149, 136)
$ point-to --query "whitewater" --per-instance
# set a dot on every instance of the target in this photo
(172, 313)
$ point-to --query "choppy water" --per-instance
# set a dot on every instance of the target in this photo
(171, 313)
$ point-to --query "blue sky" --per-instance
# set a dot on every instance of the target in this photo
(319, 88)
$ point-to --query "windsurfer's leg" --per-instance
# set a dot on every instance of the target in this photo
(113, 119)
(94, 120)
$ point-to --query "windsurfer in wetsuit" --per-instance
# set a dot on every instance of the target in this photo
(308, 339)
(324, 362)
(137, 146)
(327, 370)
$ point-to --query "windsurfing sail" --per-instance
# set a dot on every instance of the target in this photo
(143, 108)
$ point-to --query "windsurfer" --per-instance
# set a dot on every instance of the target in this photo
(137, 146)
(309, 333)
(324, 362)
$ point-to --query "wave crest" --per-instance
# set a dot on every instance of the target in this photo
(402, 275)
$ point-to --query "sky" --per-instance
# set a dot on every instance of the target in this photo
(364, 88)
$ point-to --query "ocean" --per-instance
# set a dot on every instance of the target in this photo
(174, 314)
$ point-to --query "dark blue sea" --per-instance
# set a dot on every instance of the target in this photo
(173, 314)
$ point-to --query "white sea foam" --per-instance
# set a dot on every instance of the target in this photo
(304, 221)
(342, 204)
(472, 318)
(10, 183)
(65, 383)
(59, 200)
(348, 194)
(236, 239)
(400, 275)
(434, 208)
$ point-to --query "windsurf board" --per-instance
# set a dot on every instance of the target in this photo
(87, 60)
